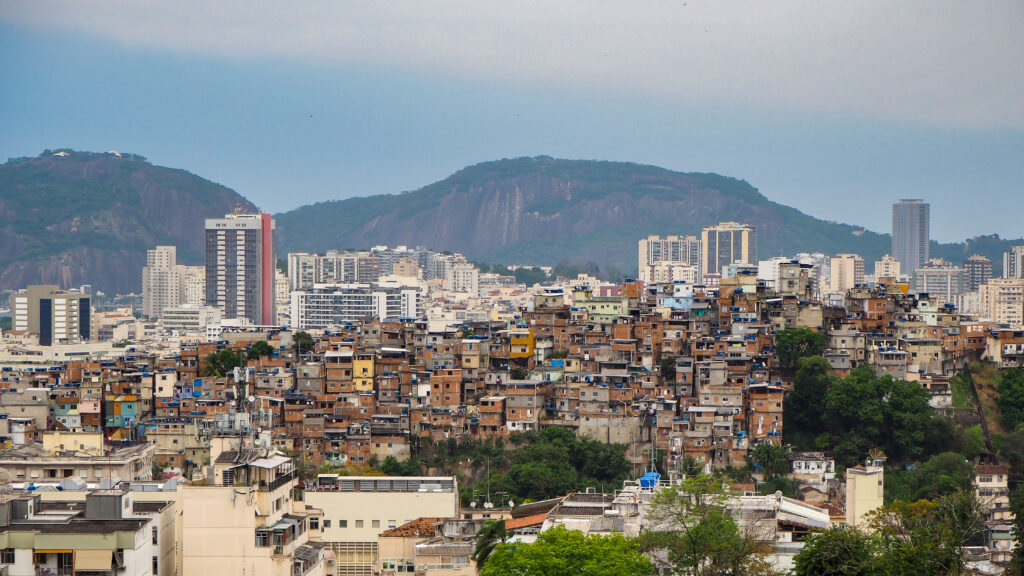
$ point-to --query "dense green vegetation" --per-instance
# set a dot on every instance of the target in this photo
(852, 415)
(530, 466)
(560, 551)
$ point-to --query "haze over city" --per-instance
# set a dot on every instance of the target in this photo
(837, 110)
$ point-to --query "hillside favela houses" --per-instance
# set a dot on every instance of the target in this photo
(374, 411)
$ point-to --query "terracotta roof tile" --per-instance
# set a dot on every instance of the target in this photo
(420, 528)
(525, 521)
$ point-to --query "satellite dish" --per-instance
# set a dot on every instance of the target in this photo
(472, 504)
(251, 399)
(511, 504)
(488, 505)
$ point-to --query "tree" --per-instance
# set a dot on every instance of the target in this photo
(864, 411)
(941, 474)
(792, 344)
(1011, 397)
(771, 459)
(491, 533)
(221, 363)
(692, 527)
(842, 551)
(805, 405)
(560, 551)
(668, 369)
(302, 342)
(394, 467)
(927, 537)
(259, 350)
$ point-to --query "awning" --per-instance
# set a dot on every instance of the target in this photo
(269, 463)
(93, 560)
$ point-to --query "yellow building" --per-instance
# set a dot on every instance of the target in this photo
(864, 487)
(247, 521)
(363, 371)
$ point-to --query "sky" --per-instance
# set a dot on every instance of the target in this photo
(838, 109)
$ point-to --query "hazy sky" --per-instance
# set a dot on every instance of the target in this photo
(835, 108)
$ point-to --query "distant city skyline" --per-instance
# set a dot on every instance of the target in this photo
(834, 110)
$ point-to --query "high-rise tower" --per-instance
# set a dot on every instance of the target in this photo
(910, 234)
(240, 266)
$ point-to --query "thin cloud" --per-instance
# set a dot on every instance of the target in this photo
(937, 63)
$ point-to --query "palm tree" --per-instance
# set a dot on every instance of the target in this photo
(490, 535)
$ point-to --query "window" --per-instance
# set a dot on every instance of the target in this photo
(262, 539)
(7, 556)
(392, 524)
(375, 523)
(314, 523)
(359, 523)
(327, 523)
(341, 523)
(154, 535)
(156, 563)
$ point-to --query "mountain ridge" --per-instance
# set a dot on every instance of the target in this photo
(88, 217)
(72, 218)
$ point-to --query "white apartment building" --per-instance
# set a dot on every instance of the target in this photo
(357, 509)
(1013, 262)
(655, 250)
(887, 267)
(668, 272)
(939, 279)
(327, 305)
(189, 319)
(464, 277)
(1002, 300)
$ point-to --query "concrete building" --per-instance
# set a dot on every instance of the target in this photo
(356, 510)
(864, 490)
(911, 234)
(977, 271)
(195, 285)
(240, 267)
(57, 316)
(162, 281)
(328, 305)
(939, 279)
(846, 272)
(670, 250)
(464, 277)
(245, 520)
(668, 272)
(1013, 262)
(190, 319)
(1002, 300)
(83, 454)
(725, 244)
(887, 267)
(102, 535)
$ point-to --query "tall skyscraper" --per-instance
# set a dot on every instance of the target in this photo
(910, 234)
(727, 243)
(1013, 262)
(240, 266)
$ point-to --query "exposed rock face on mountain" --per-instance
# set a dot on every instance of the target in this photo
(544, 210)
(73, 218)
